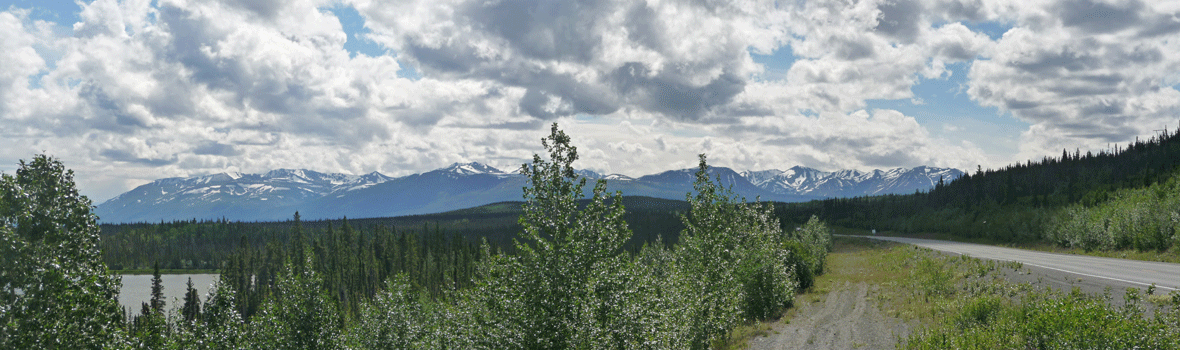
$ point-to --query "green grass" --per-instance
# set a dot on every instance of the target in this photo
(740, 337)
(964, 303)
(851, 260)
(164, 271)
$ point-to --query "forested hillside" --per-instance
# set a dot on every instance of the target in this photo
(1117, 199)
(196, 244)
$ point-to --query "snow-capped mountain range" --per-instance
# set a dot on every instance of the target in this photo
(277, 194)
(849, 183)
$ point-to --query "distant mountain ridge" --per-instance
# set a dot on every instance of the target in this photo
(849, 183)
(277, 194)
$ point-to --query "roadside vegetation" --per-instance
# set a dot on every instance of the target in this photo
(957, 302)
(1142, 219)
(975, 311)
(566, 281)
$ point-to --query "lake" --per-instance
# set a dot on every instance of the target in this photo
(137, 289)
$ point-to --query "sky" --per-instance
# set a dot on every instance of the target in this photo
(126, 92)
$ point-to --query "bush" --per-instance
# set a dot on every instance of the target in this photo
(734, 256)
(801, 262)
(979, 311)
(1142, 219)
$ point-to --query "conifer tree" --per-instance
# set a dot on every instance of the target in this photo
(192, 303)
(157, 301)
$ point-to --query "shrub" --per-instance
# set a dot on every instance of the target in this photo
(978, 311)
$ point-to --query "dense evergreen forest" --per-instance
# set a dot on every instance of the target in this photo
(209, 244)
(574, 275)
(1121, 198)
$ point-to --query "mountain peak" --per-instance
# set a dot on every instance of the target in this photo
(590, 175)
(376, 175)
(471, 168)
(618, 177)
(277, 193)
(286, 173)
(220, 177)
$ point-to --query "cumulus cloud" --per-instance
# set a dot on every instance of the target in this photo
(1090, 74)
(141, 89)
(678, 58)
(177, 88)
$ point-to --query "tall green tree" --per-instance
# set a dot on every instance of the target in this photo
(732, 262)
(150, 326)
(567, 287)
(157, 301)
(55, 291)
(191, 310)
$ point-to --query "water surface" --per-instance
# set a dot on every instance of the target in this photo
(137, 289)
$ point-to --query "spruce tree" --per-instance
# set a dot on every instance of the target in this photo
(192, 303)
(157, 301)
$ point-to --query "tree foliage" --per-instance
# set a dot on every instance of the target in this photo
(55, 292)
(734, 257)
(566, 286)
(191, 310)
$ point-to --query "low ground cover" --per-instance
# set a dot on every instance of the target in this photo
(957, 302)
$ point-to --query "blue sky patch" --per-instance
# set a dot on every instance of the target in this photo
(354, 26)
(407, 71)
(776, 64)
(947, 111)
(993, 30)
(63, 12)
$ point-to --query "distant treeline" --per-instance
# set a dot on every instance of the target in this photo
(1034, 201)
(208, 244)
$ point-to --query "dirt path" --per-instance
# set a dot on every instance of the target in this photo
(846, 319)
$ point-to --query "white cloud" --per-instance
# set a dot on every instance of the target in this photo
(1084, 74)
(679, 59)
(144, 90)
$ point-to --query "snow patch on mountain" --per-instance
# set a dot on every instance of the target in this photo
(849, 183)
(276, 194)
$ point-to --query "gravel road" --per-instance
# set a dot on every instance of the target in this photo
(849, 319)
(846, 319)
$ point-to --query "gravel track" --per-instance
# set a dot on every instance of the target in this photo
(846, 319)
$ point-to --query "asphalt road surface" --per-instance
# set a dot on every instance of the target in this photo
(1135, 273)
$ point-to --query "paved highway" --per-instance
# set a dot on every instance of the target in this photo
(1166, 276)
